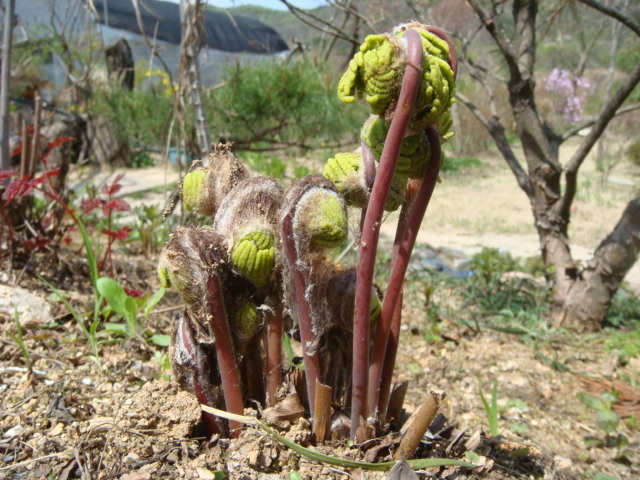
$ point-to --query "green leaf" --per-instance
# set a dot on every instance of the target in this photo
(603, 476)
(414, 368)
(161, 340)
(491, 410)
(609, 398)
(113, 292)
(608, 420)
(153, 302)
(591, 401)
(131, 311)
(416, 464)
(117, 328)
(473, 457)
(343, 462)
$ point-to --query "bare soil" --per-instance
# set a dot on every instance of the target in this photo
(68, 417)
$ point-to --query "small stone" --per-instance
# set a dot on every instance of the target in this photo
(57, 430)
(31, 308)
(14, 432)
(132, 457)
(562, 463)
(173, 457)
(205, 474)
(137, 476)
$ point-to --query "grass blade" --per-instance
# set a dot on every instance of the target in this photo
(415, 464)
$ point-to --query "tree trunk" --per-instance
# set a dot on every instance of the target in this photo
(589, 298)
(542, 158)
(4, 85)
(190, 70)
(120, 64)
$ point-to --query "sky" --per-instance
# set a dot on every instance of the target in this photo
(274, 4)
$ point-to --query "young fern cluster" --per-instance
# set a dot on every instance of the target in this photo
(262, 266)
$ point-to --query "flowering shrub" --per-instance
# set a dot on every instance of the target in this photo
(571, 92)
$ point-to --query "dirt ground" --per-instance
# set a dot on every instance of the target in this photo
(126, 418)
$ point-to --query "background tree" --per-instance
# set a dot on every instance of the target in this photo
(582, 295)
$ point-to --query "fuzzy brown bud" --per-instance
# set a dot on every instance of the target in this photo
(203, 189)
(247, 219)
(190, 256)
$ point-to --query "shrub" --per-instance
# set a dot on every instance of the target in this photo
(280, 104)
(493, 292)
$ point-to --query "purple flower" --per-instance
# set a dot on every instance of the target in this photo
(571, 90)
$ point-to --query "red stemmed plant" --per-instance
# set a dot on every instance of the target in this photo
(109, 203)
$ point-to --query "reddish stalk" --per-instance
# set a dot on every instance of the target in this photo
(229, 374)
(390, 360)
(209, 421)
(371, 227)
(382, 333)
(107, 252)
(274, 354)
(399, 264)
(309, 351)
(369, 167)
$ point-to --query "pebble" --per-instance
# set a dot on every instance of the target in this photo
(57, 430)
(30, 307)
(562, 463)
(132, 457)
(205, 474)
(14, 431)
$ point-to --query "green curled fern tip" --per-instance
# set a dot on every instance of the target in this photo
(322, 216)
(373, 72)
(254, 255)
(346, 172)
(376, 71)
(192, 188)
(414, 151)
(246, 322)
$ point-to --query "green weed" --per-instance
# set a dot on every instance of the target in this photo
(18, 338)
(491, 409)
(127, 306)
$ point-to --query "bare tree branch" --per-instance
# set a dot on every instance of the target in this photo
(586, 51)
(555, 13)
(608, 112)
(614, 13)
(589, 123)
(151, 45)
(345, 20)
(351, 9)
(497, 131)
(479, 69)
(496, 31)
(328, 28)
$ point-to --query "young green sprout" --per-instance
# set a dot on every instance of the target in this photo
(192, 262)
(247, 219)
(313, 217)
(204, 188)
(408, 79)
